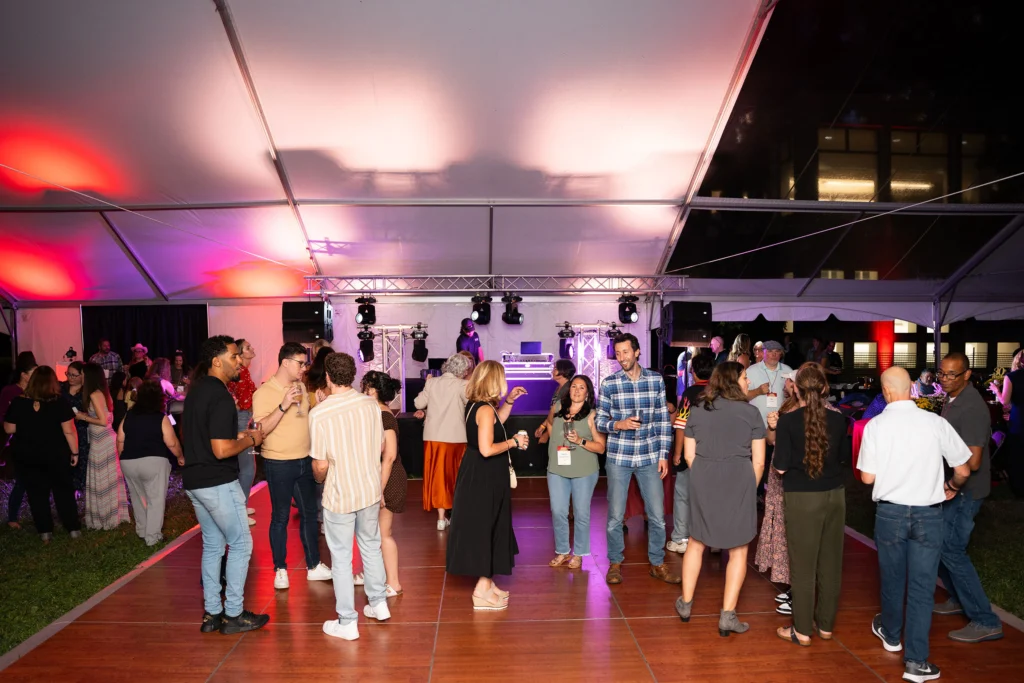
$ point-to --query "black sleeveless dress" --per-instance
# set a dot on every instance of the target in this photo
(481, 541)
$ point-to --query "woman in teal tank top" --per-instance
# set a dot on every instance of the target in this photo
(573, 470)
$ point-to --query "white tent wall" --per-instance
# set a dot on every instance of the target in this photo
(50, 332)
(259, 324)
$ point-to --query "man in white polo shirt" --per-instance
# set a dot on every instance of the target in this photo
(902, 454)
(767, 380)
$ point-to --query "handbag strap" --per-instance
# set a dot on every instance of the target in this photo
(503, 432)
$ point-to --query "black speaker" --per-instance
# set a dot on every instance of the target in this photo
(306, 321)
(686, 323)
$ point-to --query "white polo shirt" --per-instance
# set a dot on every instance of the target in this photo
(759, 374)
(904, 448)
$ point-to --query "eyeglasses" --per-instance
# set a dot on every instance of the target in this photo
(302, 363)
(74, 376)
(949, 375)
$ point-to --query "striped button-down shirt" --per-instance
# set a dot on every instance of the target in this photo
(621, 398)
(347, 431)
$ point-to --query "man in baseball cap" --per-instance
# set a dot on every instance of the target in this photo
(767, 380)
(469, 340)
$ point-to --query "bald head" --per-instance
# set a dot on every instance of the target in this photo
(896, 384)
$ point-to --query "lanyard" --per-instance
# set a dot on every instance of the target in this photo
(771, 381)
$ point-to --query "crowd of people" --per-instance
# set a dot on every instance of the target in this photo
(743, 418)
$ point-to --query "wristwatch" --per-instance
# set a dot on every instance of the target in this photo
(583, 442)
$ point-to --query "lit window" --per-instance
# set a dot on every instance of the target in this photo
(930, 352)
(865, 355)
(905, 354)
(865, 275)
(977, 352)
(839, 348)
(904, 327)
(944, 330)
(788, 329)
(832, 275)
(1004, 353)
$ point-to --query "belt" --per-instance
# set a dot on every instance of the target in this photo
(934, 505)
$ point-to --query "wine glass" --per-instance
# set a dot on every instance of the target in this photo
(569, 428)
(302, 390)
(639, 417)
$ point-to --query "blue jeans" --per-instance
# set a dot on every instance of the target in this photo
(681, 507)
(653, 494)
(582, 490)
(284, 479)
(909, 541)
(222, 520)
(246, 459)
(955, 568)
(338, 528)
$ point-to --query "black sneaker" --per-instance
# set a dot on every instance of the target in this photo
(246, 621)
(918, 673)
(889, 645)
(211, 622)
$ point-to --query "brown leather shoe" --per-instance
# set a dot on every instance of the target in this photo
(614, 575)
(662, 573)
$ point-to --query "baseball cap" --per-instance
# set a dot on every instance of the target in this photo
(467, 325)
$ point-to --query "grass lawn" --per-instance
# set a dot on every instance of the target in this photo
(996, 547)
(40, 583)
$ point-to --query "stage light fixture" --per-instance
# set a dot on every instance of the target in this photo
(366, 314)
(481, 314)
(613, 333)
(365, 345)
(419, 344)
(566, 343)
(512, 316)
(627, 309)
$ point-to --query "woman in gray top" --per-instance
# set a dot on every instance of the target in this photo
(573, 469)
(724, 447)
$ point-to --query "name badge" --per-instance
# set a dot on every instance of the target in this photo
(773, 400)
(564, 456)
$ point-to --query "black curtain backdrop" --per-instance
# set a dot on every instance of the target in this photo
(161, 329)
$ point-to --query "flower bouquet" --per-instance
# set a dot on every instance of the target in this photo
(931, 403)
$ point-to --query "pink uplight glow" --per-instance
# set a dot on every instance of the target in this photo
(29, 272)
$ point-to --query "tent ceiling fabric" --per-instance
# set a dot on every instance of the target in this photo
(142, 102)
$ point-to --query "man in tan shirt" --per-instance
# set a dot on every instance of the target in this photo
(347, 433)
(280, 407)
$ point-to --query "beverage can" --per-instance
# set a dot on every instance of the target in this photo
(523, 433)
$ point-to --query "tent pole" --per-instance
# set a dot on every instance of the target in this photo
(132, 256)
(937, 330)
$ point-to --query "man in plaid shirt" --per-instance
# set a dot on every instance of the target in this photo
(107, 359)
(632, 412)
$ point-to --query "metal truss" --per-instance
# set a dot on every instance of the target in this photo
(389, 343)
(565, 284)
(591, 340)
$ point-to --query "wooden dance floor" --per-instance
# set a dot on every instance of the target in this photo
(560, 625)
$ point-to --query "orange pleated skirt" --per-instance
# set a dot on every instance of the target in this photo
(440, 468)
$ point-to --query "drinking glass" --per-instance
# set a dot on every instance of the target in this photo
(568, 427)
(302, 390)
(639, 417)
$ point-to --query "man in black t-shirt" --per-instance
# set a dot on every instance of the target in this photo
(469, 341)
(703, 364)
(211, 441)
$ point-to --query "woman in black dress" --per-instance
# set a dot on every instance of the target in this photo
(383, 388)
(481, 541)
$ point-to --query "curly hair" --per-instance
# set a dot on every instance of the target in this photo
(811, 384)
(341, 369)
(387, 387)
(457, 365)
(724, 384)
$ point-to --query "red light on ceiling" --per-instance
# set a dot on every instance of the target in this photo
(53, 159)
(29, 273)
(258, 279)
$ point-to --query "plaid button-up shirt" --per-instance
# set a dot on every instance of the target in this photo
(621, 397)
(108, 361)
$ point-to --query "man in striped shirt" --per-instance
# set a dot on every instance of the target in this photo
(632, 412)
(346, 434)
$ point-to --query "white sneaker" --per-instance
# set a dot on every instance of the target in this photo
(680, 547)
(250, 511)
(281, 579)
(443, 524)
(321, 572)
(252, 522)
(344, 631)
(380, 612)
(358, 580)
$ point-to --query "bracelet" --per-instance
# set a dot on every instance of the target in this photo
(253, 440)
(949, 484)
(508, 403)
(281, 409)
